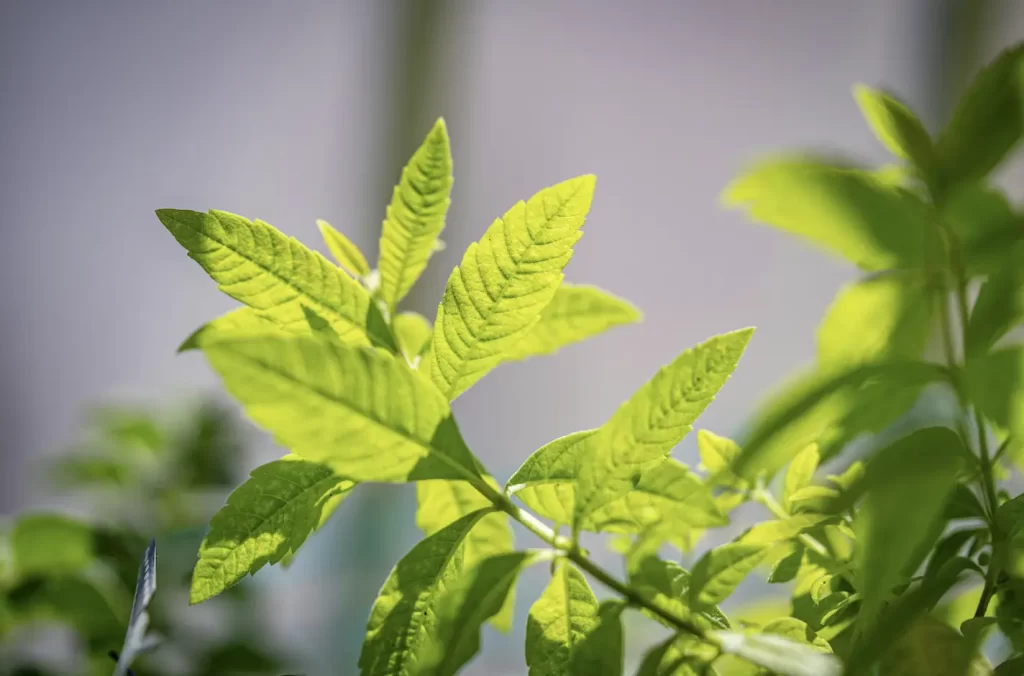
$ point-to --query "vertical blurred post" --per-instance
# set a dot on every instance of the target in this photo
(381, 514)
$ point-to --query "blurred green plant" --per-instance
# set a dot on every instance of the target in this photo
(140, 473)
(322, 357)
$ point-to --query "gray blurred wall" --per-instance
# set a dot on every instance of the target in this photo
(279, 110)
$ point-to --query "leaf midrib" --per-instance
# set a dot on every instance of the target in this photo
(354, 325)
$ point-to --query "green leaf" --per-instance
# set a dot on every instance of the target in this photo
(897, 127)
(574, 314)
(667, 494)
(796, 630)
(255, 264)
(561, 621)
(667, 585)
(931, 648)
(800, 472)
(50, 544)
(987, 122)
(546, 481)
(780, 655)
(849, 212)
(986, 226)
(348, 255)
(886, 316)
(415, 217)
(266, 518)
(786, 568)
(775, 531)
(717, 574)
(413, 333)
(496, 296)
(996, 384)
(361, 412)
(907, 485)
(680, 655)
(440, 503)
(644, 430)
(240, 321)
(402, 632)
(465, 605)
(717, 455)
(830, 407)
(999, 307)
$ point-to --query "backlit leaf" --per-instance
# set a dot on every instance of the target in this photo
(667, 585)
(575, 313)
(717, 455)
(440, 503)
(847, 211)
(560, 622)
(413, 333)
(348, 255)
(800, 472)
(265, 519)
(255, 264)
(897, 520)
(415, 217)
(897, 127)
(645, 429)
(361, 412)
(887, 316)
(546, 481)
(496, 295)
(717, 574)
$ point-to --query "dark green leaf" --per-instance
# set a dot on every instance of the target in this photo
(931, 648)
(999, 307)
(786, 568)
(986, 227)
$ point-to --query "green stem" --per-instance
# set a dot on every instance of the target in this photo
(779, 512)
(579, 557)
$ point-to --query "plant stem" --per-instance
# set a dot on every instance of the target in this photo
(768, 500)
(579, 557)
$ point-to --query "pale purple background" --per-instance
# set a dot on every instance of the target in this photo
(285, 111)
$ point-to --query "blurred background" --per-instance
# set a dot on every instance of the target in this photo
(293, 111)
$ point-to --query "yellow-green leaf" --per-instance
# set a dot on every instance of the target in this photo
(883, 317)
(897, 127)
(440, 503)
(496, 295)
(643, 431)
(546, 481)
(348, 255)
(558, 627)
(238, 321)
(800, 472)
(50, 544)
(413, 333)
(667, 585)
(716, 456)
(717, 574)
(415, 217)
(849, 212)
(402, 632)
(255, 264)
(265, 519)
(574, 314)
(362, 412)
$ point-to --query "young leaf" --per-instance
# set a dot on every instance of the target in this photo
(363, 413)
(779, 655)
(987, 122)
(402, 632)
(645, 429)
(667, 585)
(667, 494)
(415, 217)
(440, 503)
(772, 532)
(850, 212)
(717, 454)
(348, 255)
(907, 487)
(495, 297)
(560, 623)
(800, 472)
(243, 320)
(574, 314)
(717, 574)
(897, 127)
(464, 606)
(276, 275)
(413, 333)
(136, 641)
(266, 518)
(829, 406)
(50, 544)
(887, 316)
